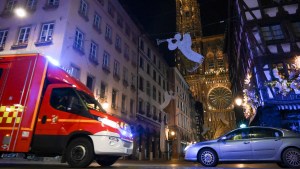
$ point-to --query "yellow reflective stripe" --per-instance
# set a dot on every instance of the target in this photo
(5, 114)
(2, 109)
(8, 113)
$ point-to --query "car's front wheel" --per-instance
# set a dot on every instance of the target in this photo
(291, 158)
(208, 157)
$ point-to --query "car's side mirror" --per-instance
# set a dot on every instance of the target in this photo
(224, 138)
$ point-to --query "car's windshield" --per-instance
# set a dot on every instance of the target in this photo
(90, 102)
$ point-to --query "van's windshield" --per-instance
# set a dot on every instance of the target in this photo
(90, 102)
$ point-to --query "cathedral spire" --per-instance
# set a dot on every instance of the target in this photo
(188, 17)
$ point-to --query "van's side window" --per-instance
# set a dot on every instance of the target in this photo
(65, 99)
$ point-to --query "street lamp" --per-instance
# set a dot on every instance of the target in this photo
(238, 101)
(105, 105)
(297, 61)
(20, 12)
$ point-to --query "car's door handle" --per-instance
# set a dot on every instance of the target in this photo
(246, 142)
(44, 119)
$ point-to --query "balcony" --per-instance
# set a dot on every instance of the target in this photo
(93, 60)
(106, 68)
(43, 43)
(19, 45)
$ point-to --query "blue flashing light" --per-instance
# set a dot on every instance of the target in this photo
(243, 125)
(53, 61)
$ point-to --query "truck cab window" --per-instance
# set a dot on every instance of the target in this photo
(66, 99)
(1, 70)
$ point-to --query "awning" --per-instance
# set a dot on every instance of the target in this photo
(288, 107)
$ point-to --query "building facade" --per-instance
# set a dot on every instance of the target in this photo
(181, 114)
(98, 43)
(209, 83)
(264, 42)
(152, 84)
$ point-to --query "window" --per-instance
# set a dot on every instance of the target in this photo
(131, 106)
(90, 82)
(10, 5)
(159, 80)
(149, 53)
(133, 80)
(211, 65)
(296, 28)
(120, 20)
(83, 10)
(125, 74)
(116, 72)
(159, 97)
(108, 33)
(106, 58)
(23, 36)
(114, 98)
(238, 134)
(101, 2)
(46, 32)
(97, 22)
(65, 99)
(52, 2)
(111, 10)
(141, 83)
(154, 59)
(3, 36)
(265, 133)
(154, 75)
(141, 62)
(148, 88)
(141, 105)
(148, 109)
(123, 103)
(126, 51)
(142, 45)
(220, 63)
(154, 93)
(133, 58)
(75, 71)
(31, 4)
(127, 30)
(103, 88)
(118, 44)
(273, 32)
(148, 69)
(154, 112)
(93, 53)
(79, 39)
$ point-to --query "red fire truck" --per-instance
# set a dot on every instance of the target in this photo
(46, 112)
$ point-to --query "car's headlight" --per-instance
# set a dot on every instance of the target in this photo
(187, 147)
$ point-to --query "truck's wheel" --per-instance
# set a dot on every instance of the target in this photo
(80, 153)
(291, 158)
(106, 160)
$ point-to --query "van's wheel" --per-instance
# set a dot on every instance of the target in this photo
(106, 160)
(208, 157)
(80, 153)
(291, 158)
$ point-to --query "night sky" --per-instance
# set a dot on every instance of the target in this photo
(158, 18)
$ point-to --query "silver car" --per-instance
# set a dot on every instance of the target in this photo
(251, 144)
